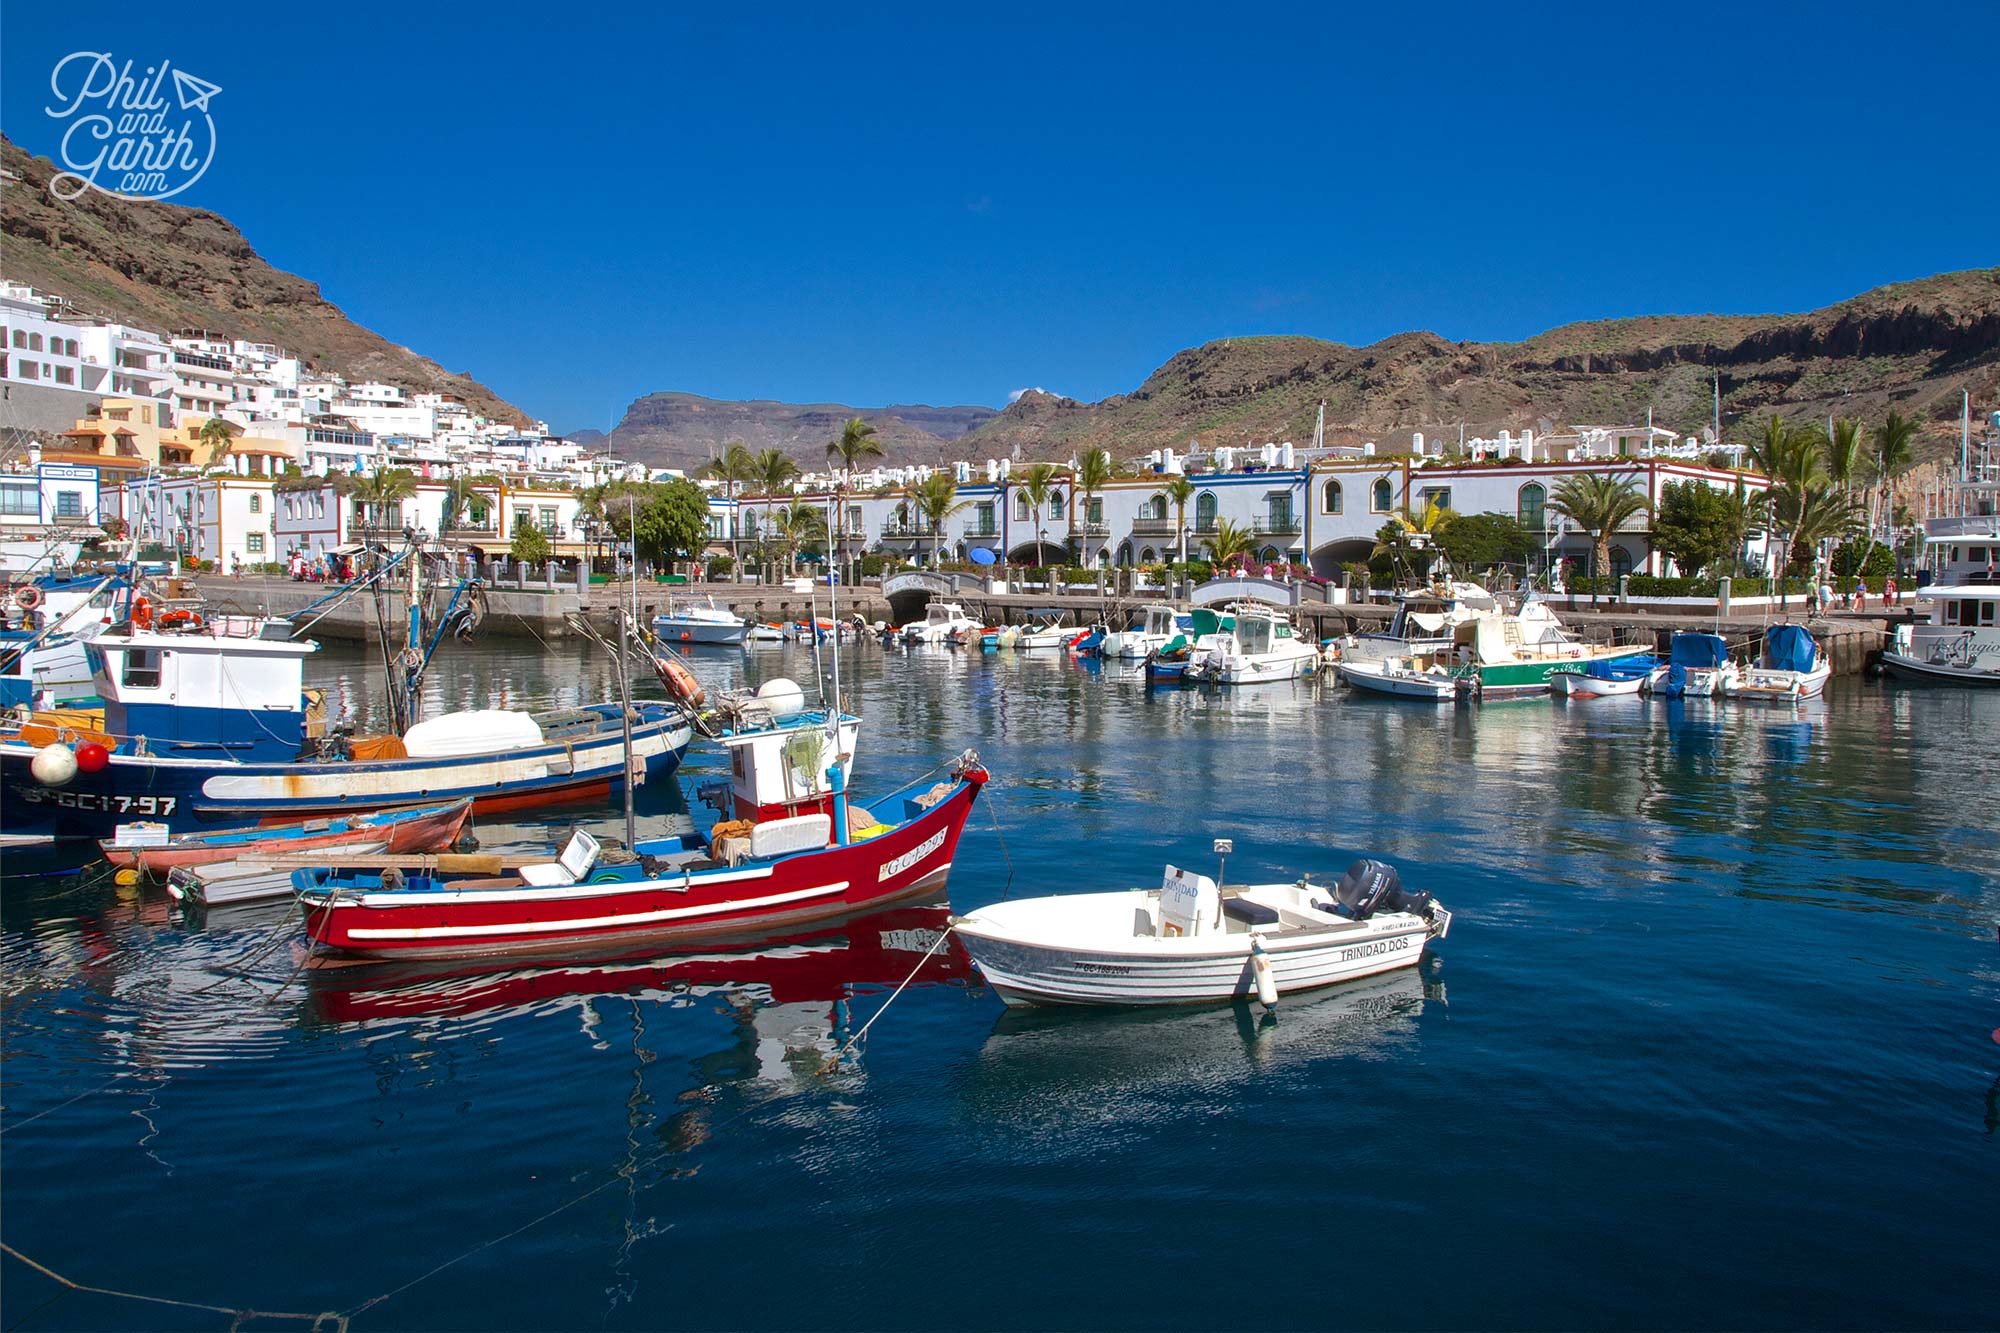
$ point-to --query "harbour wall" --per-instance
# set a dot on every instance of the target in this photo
(537, 610)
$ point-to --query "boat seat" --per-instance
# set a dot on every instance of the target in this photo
(800, 833)
(1248, 912)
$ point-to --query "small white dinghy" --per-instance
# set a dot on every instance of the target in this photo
(1190, 942)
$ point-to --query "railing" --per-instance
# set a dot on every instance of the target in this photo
(1153, 527)
(906, 528)
(1094, 528)
(1276, 525)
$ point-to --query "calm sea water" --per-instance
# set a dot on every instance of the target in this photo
(1712, 1043)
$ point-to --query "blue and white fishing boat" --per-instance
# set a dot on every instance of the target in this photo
(1151, 627)
(1604, 677)
(206, 723)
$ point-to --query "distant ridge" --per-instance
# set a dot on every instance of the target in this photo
(1911, 345)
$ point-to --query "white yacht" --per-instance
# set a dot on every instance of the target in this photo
(1958, 644)
(1261, 646)
(700, 624)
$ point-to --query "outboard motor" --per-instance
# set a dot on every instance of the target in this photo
(1364, 887)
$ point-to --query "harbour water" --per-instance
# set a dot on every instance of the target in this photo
(1712, 1043)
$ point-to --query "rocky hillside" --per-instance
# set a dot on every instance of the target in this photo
(685, 429)
(1912, 345)
(165, 267)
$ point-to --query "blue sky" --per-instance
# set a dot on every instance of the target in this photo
(580, 205)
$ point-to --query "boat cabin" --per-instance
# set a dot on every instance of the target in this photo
(778, 771)
(204, 695)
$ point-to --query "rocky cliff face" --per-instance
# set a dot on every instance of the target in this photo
(164, 267)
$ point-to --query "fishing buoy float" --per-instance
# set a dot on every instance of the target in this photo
(1260, 966)
(54, 765)
(126, 877)
(783, 697)
(92, 757)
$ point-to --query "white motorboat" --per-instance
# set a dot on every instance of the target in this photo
(700, 624)
(1793, 666)
(942, 623)
(1261, 646)
(1190, 941)
(1604, 678)
(1406, 678)
(1958, 644)
(1152, 626)
(1052, 635)
(1425, 622)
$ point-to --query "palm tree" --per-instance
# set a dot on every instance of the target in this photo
(772, 472)
(1895, 450)
(734, 468)
(1093, 470)
(216, 433)
(1846, 460)
(855, 442)
(802, 523)
(1406, 532)
(1037, 484)
(937, 499)
(1179, 490)
(460, 495)
(1229, 540)
(1598, 504)
(380, 490)
(1821, 514)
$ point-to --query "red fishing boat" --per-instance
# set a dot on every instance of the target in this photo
(747, 877)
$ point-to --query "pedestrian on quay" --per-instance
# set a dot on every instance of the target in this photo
(1860, 593)
(1825, 598)
(1889, 592)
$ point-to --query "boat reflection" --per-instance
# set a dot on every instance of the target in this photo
(1035, 1060)
(815, 971)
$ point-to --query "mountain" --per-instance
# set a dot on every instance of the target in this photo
(1911, 345)
(164, 267)
(684, 430)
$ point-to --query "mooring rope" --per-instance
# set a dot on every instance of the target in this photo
(328, 1319)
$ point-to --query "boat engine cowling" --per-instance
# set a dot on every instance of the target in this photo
(1373, 886)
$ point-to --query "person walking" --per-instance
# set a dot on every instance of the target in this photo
(1889, 592)
(1860, 594)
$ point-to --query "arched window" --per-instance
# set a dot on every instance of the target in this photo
(1270, 555)
(1530, 503)
(1146, 556)
(1125, 554)
(1384, 497)
(1204, 512)
(1156, 507)
(1330, 498)
(1055, 507)
(1020, 505)
(1621, 561)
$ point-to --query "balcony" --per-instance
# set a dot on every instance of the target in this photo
(1276, 525)
(977, 531)
(1153, 527)
(1094, 528)
(906, 529)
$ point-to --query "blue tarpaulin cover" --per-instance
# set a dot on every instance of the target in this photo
(1789, 648)
(1699, 652)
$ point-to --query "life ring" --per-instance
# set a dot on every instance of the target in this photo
(27, 597)
(177, 618)
(142, 613)
(682, 682)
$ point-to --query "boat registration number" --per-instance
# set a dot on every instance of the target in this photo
(893, 868)
(90, 800)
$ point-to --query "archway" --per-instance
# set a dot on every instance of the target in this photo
(1038, 553)
(1327, 560)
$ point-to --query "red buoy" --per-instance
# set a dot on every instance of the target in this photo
(92, 757)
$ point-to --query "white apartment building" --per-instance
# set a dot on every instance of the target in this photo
(206, 381)
(221, 518)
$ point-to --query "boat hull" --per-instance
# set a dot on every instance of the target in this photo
(1502, 679)
(1769, 685)
(189, 794)
(911, 859)
(1916, 670)
(1035, 974)
(425, 829)
(1579, 685)
(698, 631)
(1398, 685)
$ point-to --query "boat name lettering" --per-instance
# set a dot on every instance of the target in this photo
(90, 800)
(1104, 969)
(917, 853)
(1370, 950)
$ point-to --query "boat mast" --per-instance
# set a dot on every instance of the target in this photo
(833, 714)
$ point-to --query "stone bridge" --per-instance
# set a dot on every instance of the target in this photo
(909, 591)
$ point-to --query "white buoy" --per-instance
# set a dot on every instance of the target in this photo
(783, 697)
(53, 765)
(1267, 983)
